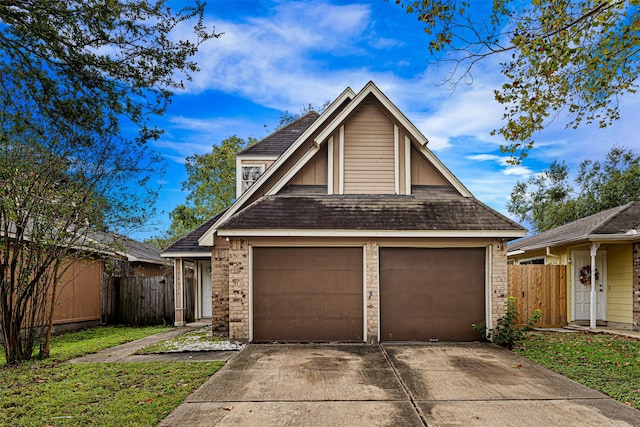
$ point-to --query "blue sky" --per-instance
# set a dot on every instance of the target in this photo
(282, 55)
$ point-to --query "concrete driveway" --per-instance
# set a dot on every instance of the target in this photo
(393, 385)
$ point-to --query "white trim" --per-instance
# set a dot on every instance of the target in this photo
(364, 293)
(330, 166)
(250, 301)
(341, 161)
(256, 157)
(293, 171)
(396, 160)
(207, 238)
(369, 233)
(371, 88)
(186, 255)
(407, 165)
(198, 307)
(488, 286)
(238, 177)
(440, 167)
(261, 166)
(378, 289)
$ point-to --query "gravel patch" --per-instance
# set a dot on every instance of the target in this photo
(201, 339)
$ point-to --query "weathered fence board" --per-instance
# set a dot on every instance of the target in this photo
(138, 300)
(542, 287)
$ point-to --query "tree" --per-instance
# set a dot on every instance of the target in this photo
(550, 199)
(211, 187)
(73, 74)
(286, 117)
(559, 57)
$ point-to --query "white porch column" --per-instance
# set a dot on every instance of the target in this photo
(179, 294)
(594, 296)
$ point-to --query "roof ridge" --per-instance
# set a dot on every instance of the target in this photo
(618, 210)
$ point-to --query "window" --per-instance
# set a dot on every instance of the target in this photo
(250, 174)
(537, 261)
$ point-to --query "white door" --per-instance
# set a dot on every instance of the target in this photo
(581, 261)
(205, 279)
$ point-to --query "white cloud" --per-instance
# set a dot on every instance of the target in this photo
(504, 162)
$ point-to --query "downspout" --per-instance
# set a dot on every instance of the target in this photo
(549, 254)
(594, 301)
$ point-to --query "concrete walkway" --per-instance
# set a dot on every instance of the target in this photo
(125, 352)
(393, 385)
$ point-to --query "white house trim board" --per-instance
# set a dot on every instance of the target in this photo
(207, 238)
(330, 166)
(407, 165)
(341, 161)
(292, 172)
(371, 88)
(250, 293)
(440, 167)
(256, 157)
(238, 177)
(372, 233)
(364, 293)
(396, 160)
(186, 255)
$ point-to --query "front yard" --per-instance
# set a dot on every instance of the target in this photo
(55, 393)
(607, 363)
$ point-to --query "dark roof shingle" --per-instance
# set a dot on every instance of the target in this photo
(189, 242)
(278, 142)
(440, 209)
(618, 220)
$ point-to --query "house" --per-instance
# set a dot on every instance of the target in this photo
(81, 290)
(348, 228)
(602, 255)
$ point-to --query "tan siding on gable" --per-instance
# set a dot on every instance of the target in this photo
(315, 171)
(369, 164)
(423, 173)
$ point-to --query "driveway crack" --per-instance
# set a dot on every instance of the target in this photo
(404, 386)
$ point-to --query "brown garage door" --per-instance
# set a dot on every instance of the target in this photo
(431, 294)
(307, 294)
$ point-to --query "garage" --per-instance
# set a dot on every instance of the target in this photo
(431, 294)
(307, 294)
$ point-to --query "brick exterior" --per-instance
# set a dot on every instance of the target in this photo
(232, 309)
(239, 289)
(636, 286)
(220, 290)
(499, 278)
(372, 289)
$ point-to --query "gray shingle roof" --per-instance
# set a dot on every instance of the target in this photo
(618, 220)
(189, 242)
(277, 143)
(433, 208)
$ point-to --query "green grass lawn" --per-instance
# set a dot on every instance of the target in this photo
(55, 393)
(607, 363)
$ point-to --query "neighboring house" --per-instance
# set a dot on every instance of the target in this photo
(80, 292)
(348, 228)
(602, 255)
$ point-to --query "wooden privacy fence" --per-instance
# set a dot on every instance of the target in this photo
(542, 287)
(138, 300)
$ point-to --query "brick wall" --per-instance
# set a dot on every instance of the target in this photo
(499, 284)
(372, 296)
(239, 289)
(220, 290)
(636, 286)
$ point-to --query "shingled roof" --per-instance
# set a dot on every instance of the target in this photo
(623, 220)
(276, 143)
(437, 208)
(189, 243)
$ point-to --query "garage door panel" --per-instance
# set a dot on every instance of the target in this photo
(307, 294)
(431, 294)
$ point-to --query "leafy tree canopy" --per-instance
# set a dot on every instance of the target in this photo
(551, 199)
(73, 74)
(210, 186)
(573, 58)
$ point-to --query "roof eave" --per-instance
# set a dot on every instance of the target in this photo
(499, 234)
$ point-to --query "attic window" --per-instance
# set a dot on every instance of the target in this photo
(250, 174)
